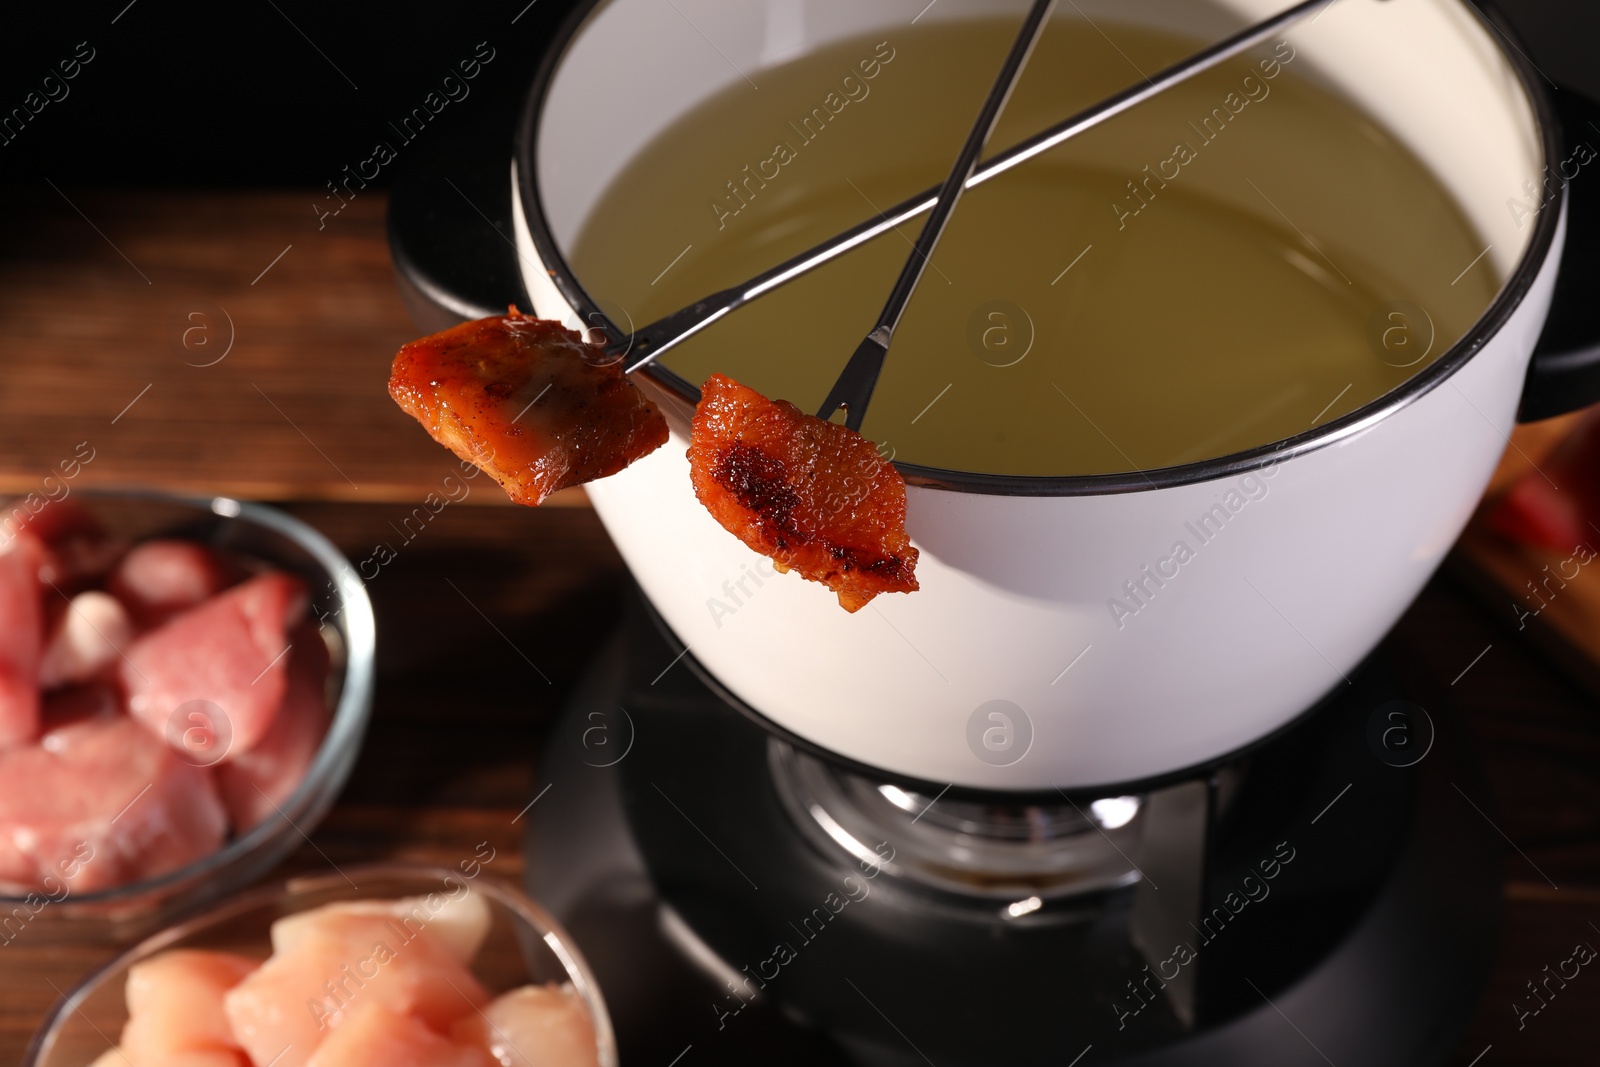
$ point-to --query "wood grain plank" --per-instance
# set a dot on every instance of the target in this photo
(243, 380)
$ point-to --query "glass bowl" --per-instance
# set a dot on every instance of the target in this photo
(525, 945)
(339, 600)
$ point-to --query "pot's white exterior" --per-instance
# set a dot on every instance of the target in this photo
(1293, 574)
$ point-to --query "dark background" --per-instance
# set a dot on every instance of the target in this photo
(236, 94)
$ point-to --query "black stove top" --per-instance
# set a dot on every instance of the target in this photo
(1314, 899)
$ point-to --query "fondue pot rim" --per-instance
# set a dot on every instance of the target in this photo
(1511, 294)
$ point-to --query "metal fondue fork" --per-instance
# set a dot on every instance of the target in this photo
(853, 389)
(651, 341)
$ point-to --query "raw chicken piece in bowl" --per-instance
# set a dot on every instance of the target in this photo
(473, 974)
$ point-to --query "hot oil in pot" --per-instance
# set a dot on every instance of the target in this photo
(1241, 259)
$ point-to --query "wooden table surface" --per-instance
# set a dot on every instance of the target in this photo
(94, 296)
(209, 341)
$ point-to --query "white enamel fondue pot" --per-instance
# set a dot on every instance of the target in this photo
(1011, 670)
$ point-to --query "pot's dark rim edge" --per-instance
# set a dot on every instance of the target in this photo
(1505, 304)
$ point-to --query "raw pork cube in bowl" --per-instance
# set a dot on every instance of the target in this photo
(184, 685)
(388, 966)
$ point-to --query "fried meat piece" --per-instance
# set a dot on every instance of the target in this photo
(528, 401)
(815, 496)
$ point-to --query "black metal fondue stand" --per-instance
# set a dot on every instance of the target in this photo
(744, 898)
